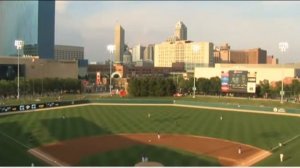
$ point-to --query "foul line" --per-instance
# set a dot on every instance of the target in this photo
(47, 158)
(285, 142)
(27, 147)
(16, 141)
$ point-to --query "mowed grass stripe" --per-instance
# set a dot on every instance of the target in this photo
(255, 129)
(16, 155)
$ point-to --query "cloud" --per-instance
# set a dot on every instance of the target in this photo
(152, 22)
(61, 6)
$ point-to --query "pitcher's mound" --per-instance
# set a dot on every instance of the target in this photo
(151, 164)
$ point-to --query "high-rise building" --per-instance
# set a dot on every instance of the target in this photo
(222, 53)
(188, 52)
(149, 52)
(63, 52)
(180, 31)
(251, 56)
(138, 53)
(30, 21)
(119, 44)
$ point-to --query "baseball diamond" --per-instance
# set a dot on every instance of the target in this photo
(88, 134)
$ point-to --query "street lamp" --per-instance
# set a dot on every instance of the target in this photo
(111, 48)
(19, 45)
(196, 48)
(283, 46)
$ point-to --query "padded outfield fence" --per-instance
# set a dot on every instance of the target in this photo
(191, 102)
(132, 101)
(234, 106)
(41, 105)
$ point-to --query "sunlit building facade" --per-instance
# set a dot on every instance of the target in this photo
(119, 44)
(191, 53)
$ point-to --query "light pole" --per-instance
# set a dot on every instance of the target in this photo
(283, 46)
(43, 75)
(32, 61)
(196, 48)
(19, 45)
(111, 48)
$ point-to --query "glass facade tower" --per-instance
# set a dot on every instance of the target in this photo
(30, 21)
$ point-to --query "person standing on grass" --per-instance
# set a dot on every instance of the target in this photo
(281, 157)
(149, 115)
(221, 117)
(63, 115)
(143, 158)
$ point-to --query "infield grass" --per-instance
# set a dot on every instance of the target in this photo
(132, 155)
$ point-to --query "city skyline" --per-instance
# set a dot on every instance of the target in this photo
(244, 25)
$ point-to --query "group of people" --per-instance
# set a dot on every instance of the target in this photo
(281, 156)
(144, 158)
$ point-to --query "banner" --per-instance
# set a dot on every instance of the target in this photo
(224, 82)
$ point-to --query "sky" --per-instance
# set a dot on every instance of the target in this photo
(241, 24)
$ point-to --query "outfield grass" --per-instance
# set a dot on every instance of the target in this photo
(261, 130)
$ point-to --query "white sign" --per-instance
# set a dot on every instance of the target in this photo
(251, 87)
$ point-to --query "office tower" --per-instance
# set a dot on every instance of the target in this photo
(63, 52)
(222, 53)
(250, 56)
(149, 52)
(138, 53)
(119, 44)
(30, 21)
(180, 31)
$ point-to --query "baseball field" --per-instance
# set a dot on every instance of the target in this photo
(119, 135)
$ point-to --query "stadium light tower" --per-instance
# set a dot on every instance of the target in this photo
(111, 48)
(196, 49)
(19, 45)
(283, 46)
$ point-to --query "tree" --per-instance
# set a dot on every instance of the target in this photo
(152, 86)
(215, 85)
(295, 86)
(264, 89)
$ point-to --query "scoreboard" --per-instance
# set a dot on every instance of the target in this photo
(238, 81)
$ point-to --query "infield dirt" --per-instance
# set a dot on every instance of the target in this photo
(70, 152)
